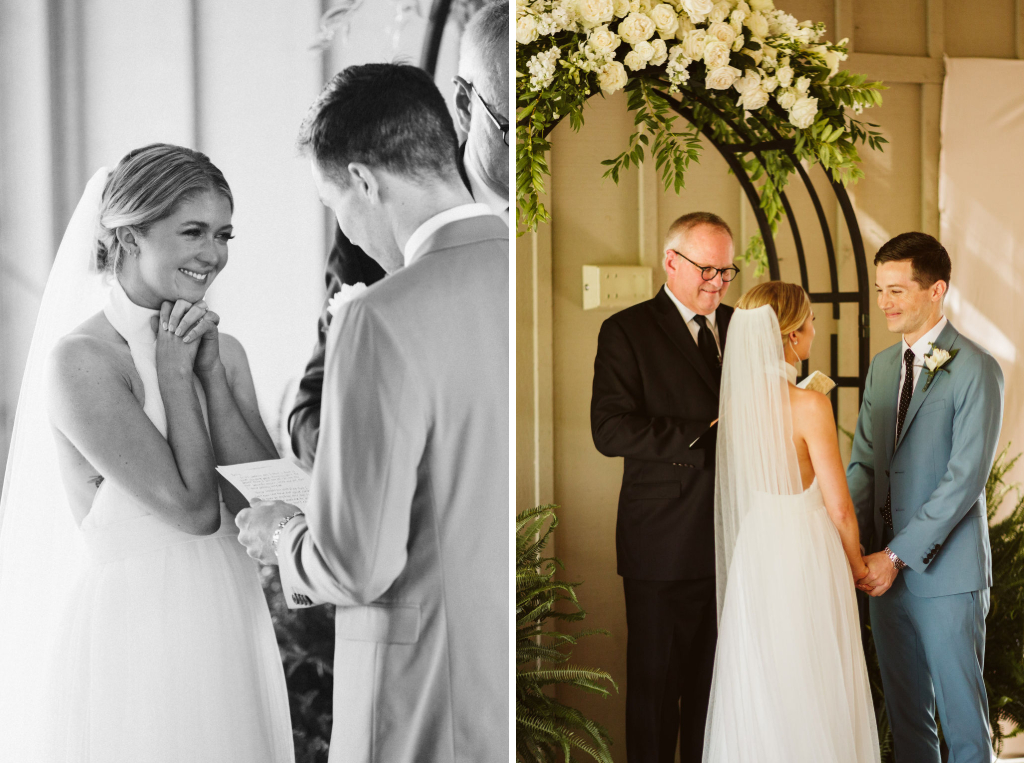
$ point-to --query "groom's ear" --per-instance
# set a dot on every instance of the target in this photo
(939, 289)
(365, 181)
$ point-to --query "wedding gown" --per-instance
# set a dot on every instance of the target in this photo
(166, 650)
(790, 680)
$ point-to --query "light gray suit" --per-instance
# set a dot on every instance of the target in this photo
(407, 526)
(929, 628)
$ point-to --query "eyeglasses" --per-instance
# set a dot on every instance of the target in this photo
(708, 273)
(502, 125)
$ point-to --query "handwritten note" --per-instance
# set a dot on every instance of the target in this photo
(274, 480)
(818, 382)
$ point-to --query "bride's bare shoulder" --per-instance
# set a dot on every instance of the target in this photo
(91, 350)
(811, 409)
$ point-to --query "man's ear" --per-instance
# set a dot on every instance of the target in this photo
(365, 180)
(463, 97)
(939, 289)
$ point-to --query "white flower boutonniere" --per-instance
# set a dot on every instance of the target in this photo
(936, 361)
(347, 292)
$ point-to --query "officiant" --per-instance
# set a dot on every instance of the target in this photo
(655, 399)
(481, 111)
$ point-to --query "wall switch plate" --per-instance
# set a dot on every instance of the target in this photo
(613, 287)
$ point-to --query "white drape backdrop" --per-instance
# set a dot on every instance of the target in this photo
(981, 206)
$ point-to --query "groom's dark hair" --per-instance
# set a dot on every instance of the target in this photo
(929, 259)
(382, 115)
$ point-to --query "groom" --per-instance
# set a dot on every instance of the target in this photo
(656, 381)
(406, 528)
(923, 448)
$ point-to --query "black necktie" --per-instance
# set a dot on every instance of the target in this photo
(905, 394)
(707, 345)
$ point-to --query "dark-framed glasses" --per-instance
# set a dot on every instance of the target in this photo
(499, 123)
(708, 273)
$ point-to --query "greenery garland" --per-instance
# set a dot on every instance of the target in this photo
(750, 74)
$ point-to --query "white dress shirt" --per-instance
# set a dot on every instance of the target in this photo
(691, 324)
(421, 234)
(921, 348)
(485, 194)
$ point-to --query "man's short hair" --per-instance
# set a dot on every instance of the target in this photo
(929, 259)
(688, 222)
(382, 115)
(483, 53)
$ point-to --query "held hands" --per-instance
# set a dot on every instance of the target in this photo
(256, 527)
(187, 334)
(879, 576)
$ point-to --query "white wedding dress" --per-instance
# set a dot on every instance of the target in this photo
(790, 680)
(166, 650)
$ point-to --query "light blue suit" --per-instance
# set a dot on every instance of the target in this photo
(929, 628)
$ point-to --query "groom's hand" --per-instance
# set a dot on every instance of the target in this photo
(256, 526)
(881, 574)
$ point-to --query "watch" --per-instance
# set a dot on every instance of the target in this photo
(280, 526)
(897, 563)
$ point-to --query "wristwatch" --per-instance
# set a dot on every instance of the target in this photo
(897, 563)
(280, 526)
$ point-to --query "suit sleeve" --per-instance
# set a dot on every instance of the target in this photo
(977, 418)
(619, 422)
(347, 263)
(351, 545)
(860, 474)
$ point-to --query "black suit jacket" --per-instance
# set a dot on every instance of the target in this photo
(653, 396)
(347, 263)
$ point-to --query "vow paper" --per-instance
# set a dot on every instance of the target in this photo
(818, 382)
(273, 480)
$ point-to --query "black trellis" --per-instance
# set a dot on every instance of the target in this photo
(835, 295)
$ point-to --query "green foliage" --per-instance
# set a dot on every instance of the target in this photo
(306, 640)
(546, 728)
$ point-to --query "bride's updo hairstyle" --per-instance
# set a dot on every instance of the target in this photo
(146, 186)
(790, 302)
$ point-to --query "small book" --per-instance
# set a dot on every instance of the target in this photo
(818, 382)
(273, 480)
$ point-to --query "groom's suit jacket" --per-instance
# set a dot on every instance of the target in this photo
(407, 525)
(653, 396)
(936, 471)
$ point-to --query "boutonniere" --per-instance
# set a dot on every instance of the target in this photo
(936, 361)
(346, 293)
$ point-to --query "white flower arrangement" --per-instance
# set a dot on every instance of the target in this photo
(747, 58)
(346, 293)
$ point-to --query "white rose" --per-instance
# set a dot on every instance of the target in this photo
(936, 359)
(771, 56)
(660, 52)
(803, 112)
(685, 25)
(665, 19)
(737, 44)
(758, 25)
(635, 61)
(603, 41)
(611, 77)
(753, 99)
(595, 12)
(716, 54)
(720, 11)
(347, 293)
(737, 16)
(721, 78)
(621, 8)
(697, 10)
(749, 80)
(802, 84)
(785, 75)
(693, 44)
(769, 84)
(636, 27)
(762, 5)
(721, 32)
(526, 30)
(786, 97)
(645, 50)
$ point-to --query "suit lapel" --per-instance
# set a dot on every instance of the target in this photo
(673, 324)
(944, 341)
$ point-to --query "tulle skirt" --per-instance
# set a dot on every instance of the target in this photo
(166, 653)
(790, 680)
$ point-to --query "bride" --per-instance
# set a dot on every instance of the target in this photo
(790, 681)
(135, 627)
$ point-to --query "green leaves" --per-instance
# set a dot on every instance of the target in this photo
(547, 729)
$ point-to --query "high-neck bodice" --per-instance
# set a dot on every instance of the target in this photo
(791, 373)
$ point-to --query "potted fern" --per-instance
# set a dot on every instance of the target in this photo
(546, 728)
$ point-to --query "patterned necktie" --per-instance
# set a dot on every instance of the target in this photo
(707, 345)
(905, 394)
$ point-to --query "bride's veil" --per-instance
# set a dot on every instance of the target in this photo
(755, 451)
(39, 549)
